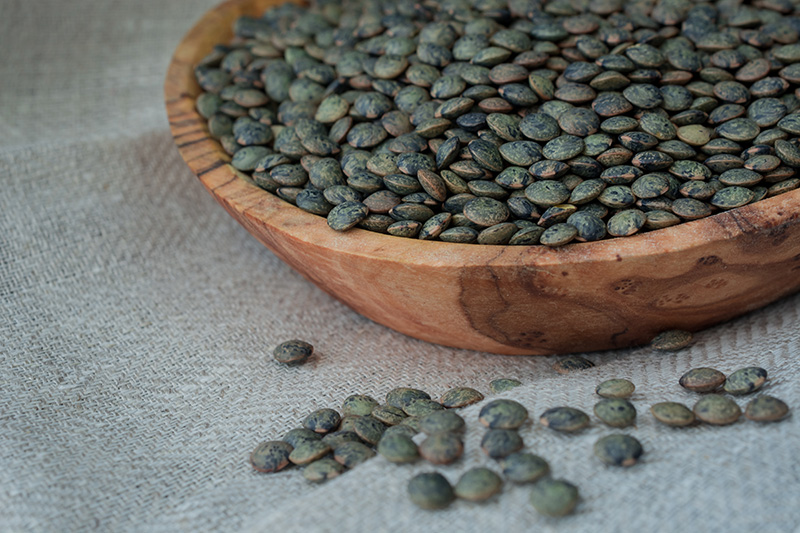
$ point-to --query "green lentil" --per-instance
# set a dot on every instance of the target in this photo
(352, 454)
(673, 414)
(615, 388)
(564, 419)
(615, 412)
(271, 456)
(369, 429)
(430, 491)
(340, 437)
(388, 414)
(745, 380)
(702, 379)
(309, 451)
(402, 396)
(441, 422)
(442, 448)
(618, 450)
(554, 497)
(503, 414)
(766, 409)
(322, 470)
(400, 429)
(524, 467)
(717, 410)
(422, 407)
(671, 340)
(572, 363)
(398, 448)
(299, 435)
(358, 404)
(322, 421)
(503, 384)
(498, 443)
(293, 352)
(478, 484)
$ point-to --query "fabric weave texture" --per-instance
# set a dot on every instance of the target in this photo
(137, 321)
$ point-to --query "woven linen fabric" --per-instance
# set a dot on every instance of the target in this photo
(137, 321)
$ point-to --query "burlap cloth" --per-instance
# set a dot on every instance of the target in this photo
(137, 321)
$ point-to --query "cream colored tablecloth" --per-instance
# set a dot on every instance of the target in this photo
(137, 321)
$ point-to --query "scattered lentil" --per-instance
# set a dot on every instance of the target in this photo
(309, 451)
(322, 421)
(271, 456)
(352, 454)
(615, 388)
(430, 490)
(572, 363)
(702, 379)
(498, 443)
(422, 407)
(717, 409)
(618, 450)
(322, 470)
(503, 414)
(441, 448)
(388, 414)
(564, 419)
(403, 396)
(478, 484)
(441, 422)
(358, 404)
(398, 448)
(554, 497)
(369, 429)
(503, 385)
(615, 412)
(336, 438)
(671, 340)
(524, 467)
(299, 435)
(673, 414)
(766, 409)
(460, 397)
(745, 380)
(293, 352)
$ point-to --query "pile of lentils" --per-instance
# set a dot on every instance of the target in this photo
(330, 442)
(511, 121)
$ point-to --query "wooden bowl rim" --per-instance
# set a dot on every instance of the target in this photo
(281, 218)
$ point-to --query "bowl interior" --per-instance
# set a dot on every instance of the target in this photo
(503, 299)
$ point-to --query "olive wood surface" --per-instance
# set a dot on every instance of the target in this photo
(502, 299)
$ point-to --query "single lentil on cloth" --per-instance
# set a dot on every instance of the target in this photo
(615, 412)
(618, 450)
(431, 490)
(293, 352)
(554, 497)
(615, 388)
(673, 414)
(745, 380)
(702, 379)
(564, 419)
(717, 410)
(766, 409)
(478, 484)
(520, 123)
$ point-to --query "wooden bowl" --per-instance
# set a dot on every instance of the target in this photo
(502, 299)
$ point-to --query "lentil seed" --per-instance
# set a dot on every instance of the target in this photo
(766, 409)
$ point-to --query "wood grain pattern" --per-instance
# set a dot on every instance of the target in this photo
(503, 299)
